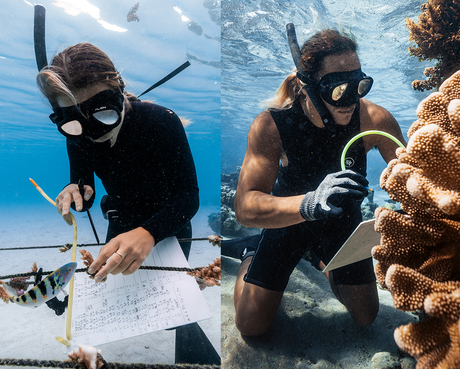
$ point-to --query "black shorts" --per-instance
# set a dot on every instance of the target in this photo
(281, 249)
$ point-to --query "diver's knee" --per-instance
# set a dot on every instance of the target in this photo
(250, 325)
(367, 317)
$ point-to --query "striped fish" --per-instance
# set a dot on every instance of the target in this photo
(48, 288)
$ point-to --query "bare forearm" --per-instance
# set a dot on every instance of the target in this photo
(261, 210)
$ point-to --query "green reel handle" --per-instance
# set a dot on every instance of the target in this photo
(365, 133)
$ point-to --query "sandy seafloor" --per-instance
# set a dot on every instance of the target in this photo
(30, 333)
(312, 329)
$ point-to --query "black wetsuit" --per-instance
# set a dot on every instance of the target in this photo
(149, 173)
(312, 153)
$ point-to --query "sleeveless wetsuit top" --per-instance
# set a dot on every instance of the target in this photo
(314, 152)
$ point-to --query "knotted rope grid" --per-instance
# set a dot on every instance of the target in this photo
(214, 242)
(71, 364)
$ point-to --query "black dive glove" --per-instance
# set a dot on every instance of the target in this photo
(336, 187)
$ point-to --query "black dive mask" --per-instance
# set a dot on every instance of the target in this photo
(343, 88)
(92, 118)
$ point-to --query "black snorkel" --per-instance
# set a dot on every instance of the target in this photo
(40, 50)
(314, 96)
(39, 37)
(42, 62)
(39, 41)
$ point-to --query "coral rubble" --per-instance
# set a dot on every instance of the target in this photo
(437, 36)
(419, 252)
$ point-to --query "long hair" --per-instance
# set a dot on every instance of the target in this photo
(314, 50)
(78, 66)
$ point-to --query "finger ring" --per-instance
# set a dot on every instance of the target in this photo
(116, 252)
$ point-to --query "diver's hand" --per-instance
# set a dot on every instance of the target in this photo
(324, 201)
(68, 195)
(127, 252)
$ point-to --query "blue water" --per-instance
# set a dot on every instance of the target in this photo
(256, 59)
(168, 33)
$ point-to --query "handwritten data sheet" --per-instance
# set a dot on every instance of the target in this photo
(143, 302)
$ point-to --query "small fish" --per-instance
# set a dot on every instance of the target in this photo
(48, 288)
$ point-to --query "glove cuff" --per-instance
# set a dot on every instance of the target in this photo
(307, 207)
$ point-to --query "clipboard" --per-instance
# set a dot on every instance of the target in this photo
(358, 246)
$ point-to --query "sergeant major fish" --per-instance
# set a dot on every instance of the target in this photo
(48, 288)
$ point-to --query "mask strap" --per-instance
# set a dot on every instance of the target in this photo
(324, 113)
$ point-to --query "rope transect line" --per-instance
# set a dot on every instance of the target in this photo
(70, 364)
(88, 244)
(145, 267)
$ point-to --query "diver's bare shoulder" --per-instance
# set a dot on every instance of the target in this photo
(254, 204)
(375, 117)
(264, 129)
(260, 165)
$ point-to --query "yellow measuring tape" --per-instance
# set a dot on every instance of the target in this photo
(72, 281)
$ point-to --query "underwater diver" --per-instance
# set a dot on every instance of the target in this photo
(291, 183)
(140, 152)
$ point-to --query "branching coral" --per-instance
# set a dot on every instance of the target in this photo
(437, 36)
(208, 276)
(409, 288)
(419, 254)
(88, 260)
(20, 284)
(132, 16)
(3, 294)
(88, 357)
(425, 177)
(435, 342)
(214, 240)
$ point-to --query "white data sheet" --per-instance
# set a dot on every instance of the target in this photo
(143, 302)
(358, 246)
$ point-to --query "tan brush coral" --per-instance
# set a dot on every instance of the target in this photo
(426, 176)
(422, 340)
(436, 341)
(431, 111)
(419, 255)
(410, 288)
